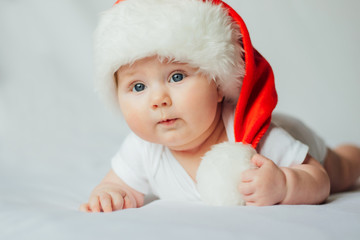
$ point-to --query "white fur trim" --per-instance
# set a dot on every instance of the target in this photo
(220, 171)
(190, 31)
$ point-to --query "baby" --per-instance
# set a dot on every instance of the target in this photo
(186, 77)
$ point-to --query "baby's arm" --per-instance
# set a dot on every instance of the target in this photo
(112, 194)
(269, 184)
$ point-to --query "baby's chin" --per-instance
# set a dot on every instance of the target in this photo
(190, 146)
(177, 139)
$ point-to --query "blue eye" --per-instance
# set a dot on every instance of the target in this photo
(177, 77)
(138, 87)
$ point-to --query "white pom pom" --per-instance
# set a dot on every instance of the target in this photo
(220, 171)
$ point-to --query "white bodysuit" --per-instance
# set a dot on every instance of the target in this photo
(151, 168)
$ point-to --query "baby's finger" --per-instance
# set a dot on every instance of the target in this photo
(105, 201)
(94, 205)
(259, 160)
(251, 203)
(248, 175)
(257, 203)
(117, 200)
(130, 201)
(246, 189)
(251, 198)
(84, 207)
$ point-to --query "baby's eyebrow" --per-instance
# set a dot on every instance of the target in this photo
(120, 76)
(184, 65)
(126, 73)
(178, 62)
(181, 64)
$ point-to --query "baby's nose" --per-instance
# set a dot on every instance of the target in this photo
(161, 101)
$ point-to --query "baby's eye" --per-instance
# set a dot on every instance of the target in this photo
(177, 77)
(138, 87)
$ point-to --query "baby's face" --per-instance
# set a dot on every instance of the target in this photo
(167, 103)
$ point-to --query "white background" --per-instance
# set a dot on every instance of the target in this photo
(56, 138)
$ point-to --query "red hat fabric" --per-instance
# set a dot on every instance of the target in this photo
(258, 96)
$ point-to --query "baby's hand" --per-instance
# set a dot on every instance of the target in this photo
(108, 197)
(265, 185)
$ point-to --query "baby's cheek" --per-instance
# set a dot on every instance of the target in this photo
(136, 120)
(136, 123)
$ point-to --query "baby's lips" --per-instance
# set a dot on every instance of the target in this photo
(168, 121)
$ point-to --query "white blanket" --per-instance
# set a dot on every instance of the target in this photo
(45, 213)
(56, 138)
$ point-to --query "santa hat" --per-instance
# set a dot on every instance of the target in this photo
(207, 34)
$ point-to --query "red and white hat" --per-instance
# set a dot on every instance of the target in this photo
(207, 34)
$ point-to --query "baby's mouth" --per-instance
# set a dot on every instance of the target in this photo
(168, 121)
